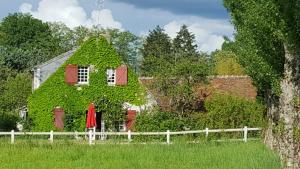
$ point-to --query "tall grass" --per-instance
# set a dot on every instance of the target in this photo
(252, 155)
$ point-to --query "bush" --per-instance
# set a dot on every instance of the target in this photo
(222, 111)
(7, 121)
(159, 121)
(225, 111)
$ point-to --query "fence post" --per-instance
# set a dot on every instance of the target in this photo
(51, 136)
(76, 135)
(12, 141)
(168, 136)
(129, 135)
(94, 133)
(245, 133)
(206, 132)
(90, 137)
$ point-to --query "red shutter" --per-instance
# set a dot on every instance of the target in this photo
(121, 75)
(71, 74)
(130, 119)
(59, 118)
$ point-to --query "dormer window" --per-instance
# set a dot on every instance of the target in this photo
(111, 77)
(83, 75)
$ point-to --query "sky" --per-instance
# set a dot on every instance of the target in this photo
(207, 19)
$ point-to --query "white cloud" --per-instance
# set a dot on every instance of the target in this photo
(106, 19)
(70, 13)
(208, 32)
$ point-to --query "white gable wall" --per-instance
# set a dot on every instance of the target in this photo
(42, 72)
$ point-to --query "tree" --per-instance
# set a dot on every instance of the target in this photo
(178, 84)
(80, 34)
(5, 73)
(267, 45)
(157, 45)
(2, 55)
(64, 35)
(226, 63)
(24, 34)
(184, 44)
(128, 47)
(15, 92)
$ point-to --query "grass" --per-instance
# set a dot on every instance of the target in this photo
(251, 155)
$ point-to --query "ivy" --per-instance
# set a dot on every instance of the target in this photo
(56, 93)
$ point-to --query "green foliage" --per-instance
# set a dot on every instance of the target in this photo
(26, 41)
(177, 83)
(226, 64)
(222, 112)
(296, 102)
(15, 92)
(296, 134)
(112, 112)
(259, 41)
(159, 121)
(157, 47)
(80, 33)
(128, 47)
(157, 43)
(279, 127)
(225, 111)
(184, 44)
(55, 92)
(8, 121)
(5, 73)
(65, 36)
(2, 55)
(126, 43)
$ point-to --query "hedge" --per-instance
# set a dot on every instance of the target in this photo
(222, 112)
(56, 93)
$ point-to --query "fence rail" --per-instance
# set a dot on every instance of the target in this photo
(92, 135)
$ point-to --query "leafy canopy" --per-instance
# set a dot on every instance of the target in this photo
(26, 41)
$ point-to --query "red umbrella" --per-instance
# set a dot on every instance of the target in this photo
(91, 117)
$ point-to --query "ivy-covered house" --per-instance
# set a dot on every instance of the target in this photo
(66, 85)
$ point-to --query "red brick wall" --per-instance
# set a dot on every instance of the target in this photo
(240, 86)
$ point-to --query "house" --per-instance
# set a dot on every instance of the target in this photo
(66, 85)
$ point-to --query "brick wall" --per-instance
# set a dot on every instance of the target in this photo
(240, 86)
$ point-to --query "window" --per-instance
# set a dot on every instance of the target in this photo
(111, 77)
(83, 75)
(122, 126)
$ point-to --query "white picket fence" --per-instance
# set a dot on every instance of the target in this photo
(92, 135)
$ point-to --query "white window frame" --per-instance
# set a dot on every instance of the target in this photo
(111, 77)
(83, 73)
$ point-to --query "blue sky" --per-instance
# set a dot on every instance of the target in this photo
(207, 19)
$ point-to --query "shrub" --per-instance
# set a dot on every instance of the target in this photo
(222, 111)
(225, 111)
(159, 121)
(7, 121)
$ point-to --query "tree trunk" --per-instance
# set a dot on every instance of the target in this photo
(282, 115)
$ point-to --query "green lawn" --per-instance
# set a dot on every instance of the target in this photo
(250, 155)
